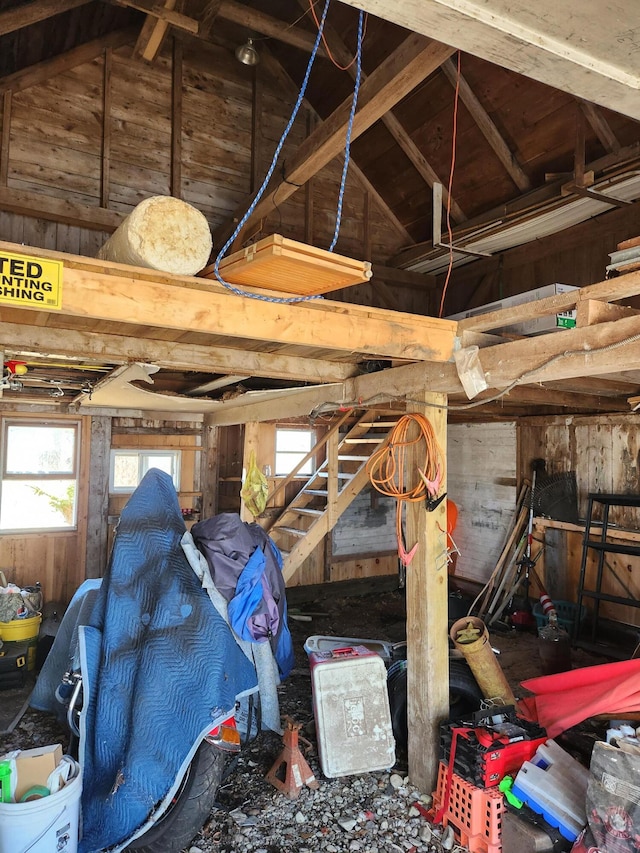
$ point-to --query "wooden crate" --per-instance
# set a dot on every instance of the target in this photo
(277, 263)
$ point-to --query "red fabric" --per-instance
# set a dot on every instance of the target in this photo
(567, 698)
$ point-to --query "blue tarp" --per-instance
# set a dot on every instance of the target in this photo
(160, 668)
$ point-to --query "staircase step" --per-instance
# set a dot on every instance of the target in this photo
(342, 458)
(365, 439)
(323, 493)
(307, 511)
(294, 531)
(341, 474)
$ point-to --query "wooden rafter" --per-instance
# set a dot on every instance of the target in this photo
(32, 13)
(600, 127)
(342, 56)
(487, 127)
(42, 71)
(399, 74)
(153, 33)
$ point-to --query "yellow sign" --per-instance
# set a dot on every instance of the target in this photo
(30, 282)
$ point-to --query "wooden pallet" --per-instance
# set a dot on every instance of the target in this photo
(277, 263)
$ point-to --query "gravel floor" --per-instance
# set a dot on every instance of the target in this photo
(372, 813)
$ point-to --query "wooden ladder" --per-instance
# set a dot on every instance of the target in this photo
(335, 484)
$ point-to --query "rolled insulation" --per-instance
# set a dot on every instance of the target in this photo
(162, 233)
(470, 636)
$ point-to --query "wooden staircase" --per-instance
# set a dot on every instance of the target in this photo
(316, 508)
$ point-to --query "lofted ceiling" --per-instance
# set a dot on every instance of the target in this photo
(543, 98)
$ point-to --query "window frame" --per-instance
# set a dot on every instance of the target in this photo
(279, 453)
(142, 453)
(73, 476)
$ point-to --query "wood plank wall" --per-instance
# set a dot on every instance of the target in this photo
(604, 452)
(104, 135)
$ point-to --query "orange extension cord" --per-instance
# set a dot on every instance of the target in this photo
(387, 469)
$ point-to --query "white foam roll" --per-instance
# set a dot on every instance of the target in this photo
(162, 233)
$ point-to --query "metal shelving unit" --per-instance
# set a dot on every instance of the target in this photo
(602, 547)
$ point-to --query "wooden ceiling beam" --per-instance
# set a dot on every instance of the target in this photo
(42, 71)
(537, 395)
(153, 33)
(157, 13)
(118, 349)
(342, 56)
(59, 210)
(32, 13)
(399, 74)
(487, 126)
(600, 127)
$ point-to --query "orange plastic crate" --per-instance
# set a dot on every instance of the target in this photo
(474, 813)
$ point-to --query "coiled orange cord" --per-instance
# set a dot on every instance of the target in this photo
(387, 469)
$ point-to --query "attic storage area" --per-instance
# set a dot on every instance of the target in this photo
(486, 161)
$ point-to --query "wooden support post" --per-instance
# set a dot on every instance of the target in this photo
(98, 498)
(332, 479)
(426, 595)
(251, 442)
(209, 469)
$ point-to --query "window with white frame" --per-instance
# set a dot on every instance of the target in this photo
(128, 467)
(292, 445)
(39, 488)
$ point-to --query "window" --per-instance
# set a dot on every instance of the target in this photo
(128, 467)
(292, 445)
(39, 488)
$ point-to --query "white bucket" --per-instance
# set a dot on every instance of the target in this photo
(47, 825)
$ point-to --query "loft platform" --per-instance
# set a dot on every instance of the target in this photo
(277, 263)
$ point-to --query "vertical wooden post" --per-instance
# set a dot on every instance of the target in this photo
(209, 468)
(427, 599)
(6, 138)
(251, 442)
(256, 129)
(105, 164)
(98, 498)
(366, 219)
(176, 120)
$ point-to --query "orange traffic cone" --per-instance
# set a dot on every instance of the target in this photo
(291, 771)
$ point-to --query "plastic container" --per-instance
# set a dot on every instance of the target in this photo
(23, 629)
(554, 785)
(554, 648)
(475, 814)
(47, 825)
(567, 613)
(351, 709)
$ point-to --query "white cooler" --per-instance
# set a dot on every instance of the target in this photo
(351, 709)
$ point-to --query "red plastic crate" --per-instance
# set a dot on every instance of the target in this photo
(474, 813)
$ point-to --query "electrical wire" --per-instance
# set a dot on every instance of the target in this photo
(312, 9)
(387, 468)
(390, 398)
(454, 137)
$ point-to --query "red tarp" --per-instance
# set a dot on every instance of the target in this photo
(567, 698)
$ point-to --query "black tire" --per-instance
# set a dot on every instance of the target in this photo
(464, 697)
(191, 807)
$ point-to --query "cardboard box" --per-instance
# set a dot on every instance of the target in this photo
(536, 326)
(33, 767)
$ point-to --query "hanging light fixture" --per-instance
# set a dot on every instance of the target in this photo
(247, 54)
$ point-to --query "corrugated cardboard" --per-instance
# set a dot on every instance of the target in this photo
(33, 767)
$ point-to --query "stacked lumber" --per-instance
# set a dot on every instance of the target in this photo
(506, 576)
(626, 258)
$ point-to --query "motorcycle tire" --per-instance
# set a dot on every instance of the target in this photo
(190, 808)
